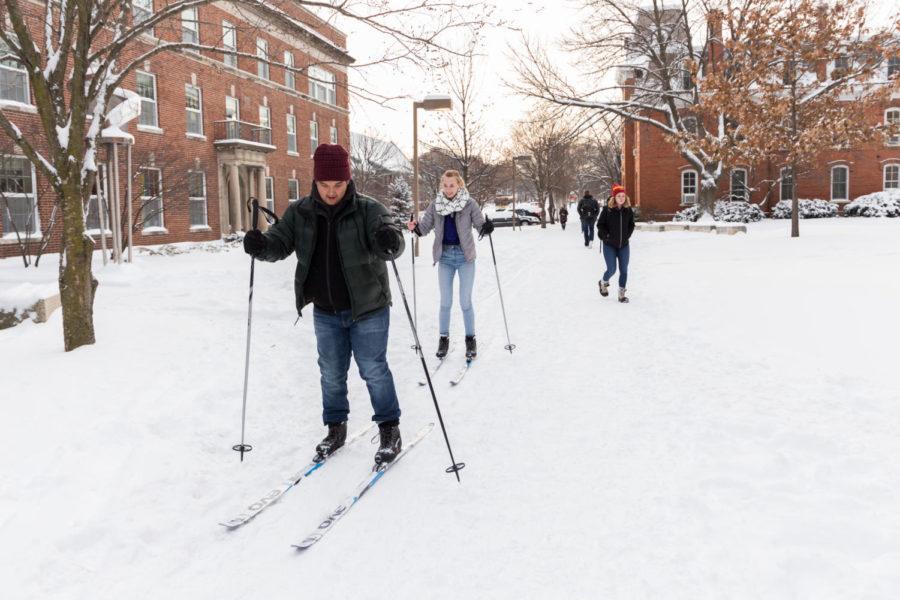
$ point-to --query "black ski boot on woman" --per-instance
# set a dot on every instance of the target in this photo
(390, 443)
(471, 347)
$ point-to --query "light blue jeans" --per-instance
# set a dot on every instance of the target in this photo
(453, 260)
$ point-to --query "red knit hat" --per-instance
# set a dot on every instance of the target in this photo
(617, 188)
(331, 163)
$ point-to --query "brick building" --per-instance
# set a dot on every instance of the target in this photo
(661, 182)
(214, 128)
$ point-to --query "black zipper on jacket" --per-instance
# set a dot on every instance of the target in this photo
(328, 262)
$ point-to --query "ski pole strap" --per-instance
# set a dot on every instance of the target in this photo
(254, 208)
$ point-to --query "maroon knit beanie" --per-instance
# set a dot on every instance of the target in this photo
(331, 163)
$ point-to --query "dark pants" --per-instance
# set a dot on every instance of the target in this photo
(587, 228)
(337, 337)
(610, 255)
(563, 223)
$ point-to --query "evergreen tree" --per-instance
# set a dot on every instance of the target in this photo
(400, 198)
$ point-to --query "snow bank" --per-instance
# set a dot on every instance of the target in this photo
(23, 296)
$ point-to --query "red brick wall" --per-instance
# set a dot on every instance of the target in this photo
(176, 153)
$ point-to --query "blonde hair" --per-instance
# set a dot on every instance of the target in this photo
(612, 201)
(455, 174)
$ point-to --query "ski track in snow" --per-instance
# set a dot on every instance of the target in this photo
(730, 433)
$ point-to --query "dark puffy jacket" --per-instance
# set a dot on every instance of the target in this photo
(563, 215)
(615, 226)
(361, 263)
(588, 208)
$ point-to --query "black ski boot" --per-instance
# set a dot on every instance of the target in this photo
(389, 434)
(337, 435)
(443, 346)
(471, 348)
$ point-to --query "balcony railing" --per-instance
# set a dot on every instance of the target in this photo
(239, 133)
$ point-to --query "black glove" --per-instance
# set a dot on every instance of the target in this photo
(387, 239)
(254, 242)
(487, 228)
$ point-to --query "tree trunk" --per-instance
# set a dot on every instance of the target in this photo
(795, 205)
(551, 209)
(706, 202)
(76, 282)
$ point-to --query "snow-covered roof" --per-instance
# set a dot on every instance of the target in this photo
(394, 159)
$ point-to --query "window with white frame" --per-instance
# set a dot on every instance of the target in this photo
(787, 184)
(739, 185)
(333, 137)
(686, 79)
(20, 208)
(689, 124)
(13, 78)
(151, 198)
(265, 125)
(146, 89)
(291, 134)
(196, 181)
(190, 26)
(840, 183)
(688, 187)
(270, 193)
(892, 118)
(892, 177)
(194, 108)
(313, 136)
(290, 79)
(229, 43)
(142, 10)
(262, 52)
(893, 67)
(322, 85)
(293, 190)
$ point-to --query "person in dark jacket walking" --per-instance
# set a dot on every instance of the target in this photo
(563, 217)
(614, 227)
(454, 215)
(342, 240)
(588, 209)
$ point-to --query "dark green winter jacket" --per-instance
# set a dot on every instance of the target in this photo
(362, 263)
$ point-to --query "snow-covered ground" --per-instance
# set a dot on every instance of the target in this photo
(731, 433)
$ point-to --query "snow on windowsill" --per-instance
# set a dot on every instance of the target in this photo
(10, 238)
(97, 231)
(150, 129)
(196, 136)
(201, 228)
(19, 106)
(289, 153)
(154, 231)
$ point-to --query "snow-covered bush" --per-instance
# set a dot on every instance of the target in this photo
(738, 212)
(726, 211)
(690, 215)
(809, 209)
(879, 204)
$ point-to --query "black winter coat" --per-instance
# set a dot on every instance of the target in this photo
(588, 208)
(563, 215)
(615, 226)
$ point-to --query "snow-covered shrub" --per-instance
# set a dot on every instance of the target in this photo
(738, 212)
(879, 204)
(809, 209)
(690, 215)
(726, 211)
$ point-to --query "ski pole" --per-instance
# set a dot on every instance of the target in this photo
(509, 345)
(255, 209)
(412, 253)
(456, 467)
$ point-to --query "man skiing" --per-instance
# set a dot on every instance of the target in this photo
(588, 209)
(342, 240)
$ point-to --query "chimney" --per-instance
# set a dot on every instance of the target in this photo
(714, 20)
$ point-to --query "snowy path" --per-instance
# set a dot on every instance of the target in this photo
(731, 433)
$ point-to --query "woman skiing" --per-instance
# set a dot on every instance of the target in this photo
(453, 215)
(614, 228)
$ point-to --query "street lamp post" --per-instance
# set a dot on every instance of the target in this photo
(431, 102)
(516, 168)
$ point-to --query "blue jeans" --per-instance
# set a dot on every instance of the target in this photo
(587, 228)
(453, 260)
(610, 254)
(337, 336)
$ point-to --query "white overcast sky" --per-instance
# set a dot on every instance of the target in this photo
(545, 20)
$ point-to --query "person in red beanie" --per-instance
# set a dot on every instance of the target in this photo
(342, 239)
(614, 228)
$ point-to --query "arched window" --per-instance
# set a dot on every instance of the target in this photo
(840, 183)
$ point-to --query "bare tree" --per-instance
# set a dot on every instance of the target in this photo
(375, 163)
(547, 138)
(77, 53)
(462, 135)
